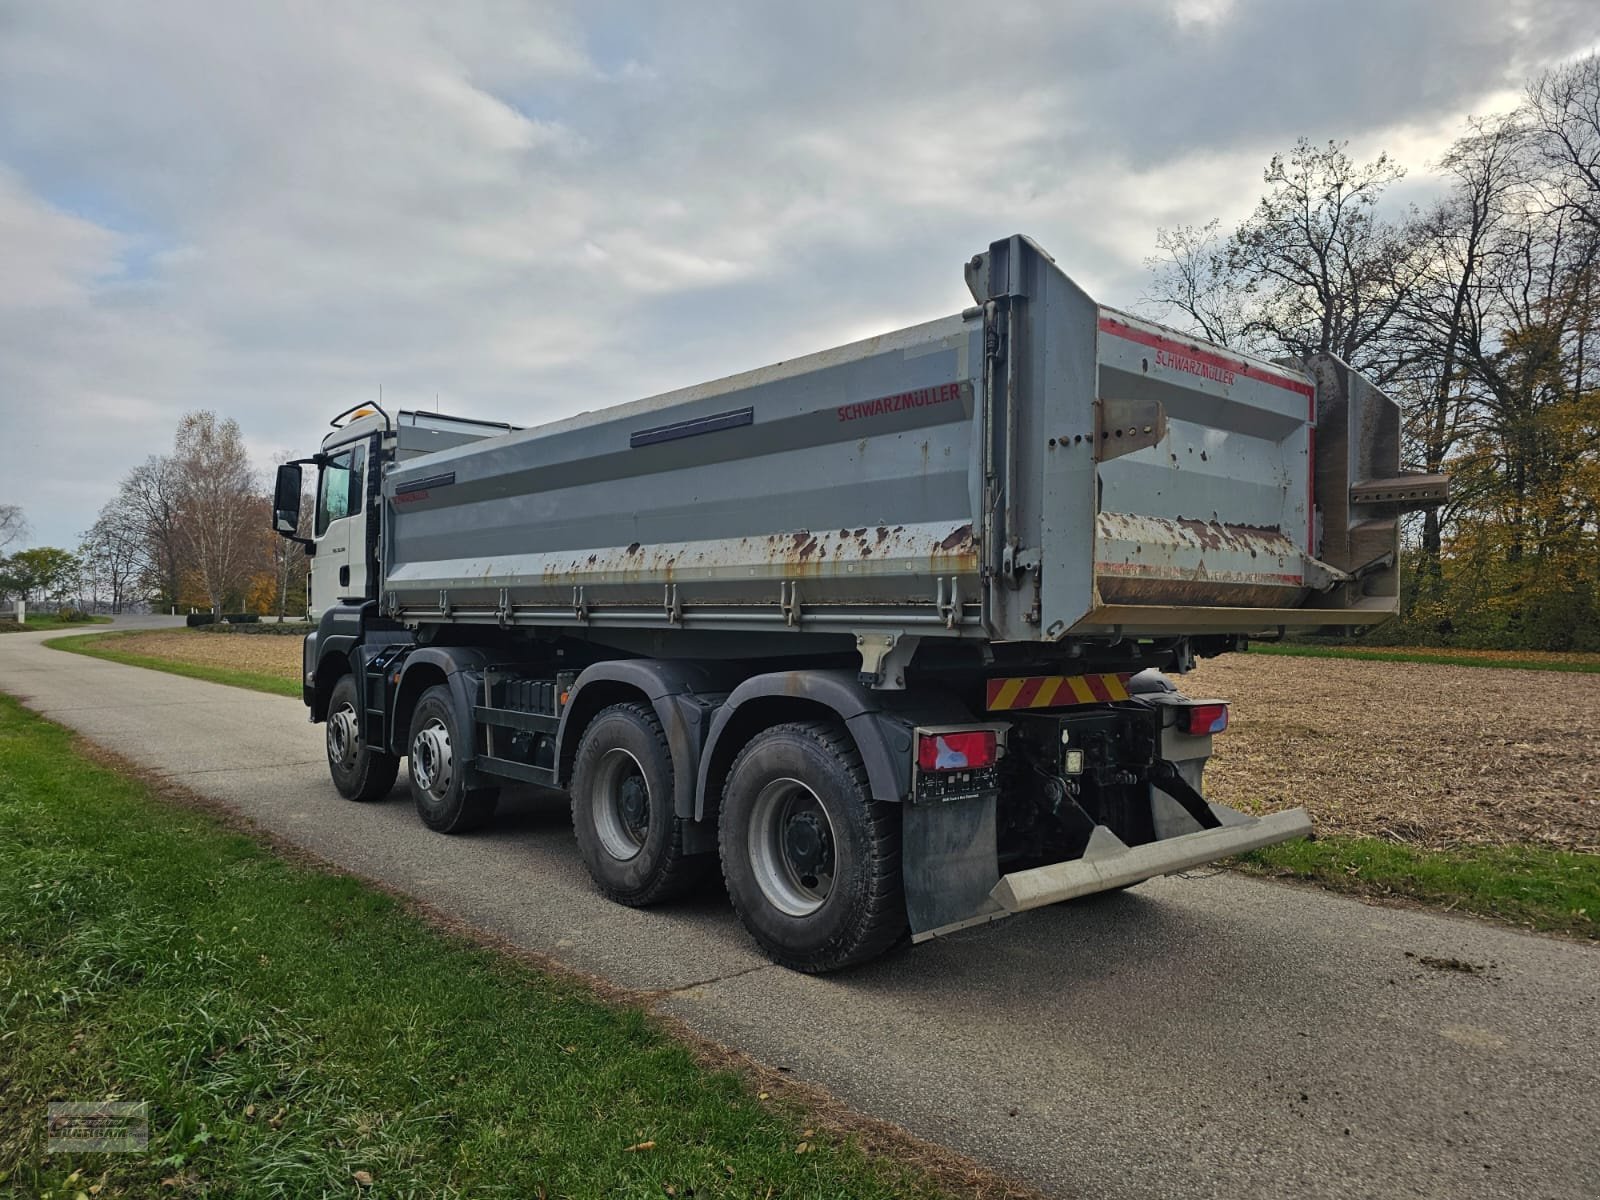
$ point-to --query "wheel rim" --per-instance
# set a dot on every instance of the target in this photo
(791, 847)
(620, 802)
(344, 737)
(432, 762)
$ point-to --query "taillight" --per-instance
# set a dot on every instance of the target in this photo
(956, 751)
(1201, 719)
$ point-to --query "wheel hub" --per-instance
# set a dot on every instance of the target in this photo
(791, 847)
(633, 802)
(344, 739)
(621, 804)
(806, 842)
(431, 758)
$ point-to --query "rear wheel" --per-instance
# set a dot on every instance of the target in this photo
(622, 810)
(438, 773)
(811, 860)
(359, 771)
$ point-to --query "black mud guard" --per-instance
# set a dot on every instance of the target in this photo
(882, 723)
(463, 672)
(338, 631)
(683, 694)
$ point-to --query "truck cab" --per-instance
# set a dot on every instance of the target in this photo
(347, 499)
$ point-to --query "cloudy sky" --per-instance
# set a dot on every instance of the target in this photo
(529, 209)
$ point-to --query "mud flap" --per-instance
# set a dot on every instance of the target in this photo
(948, 863)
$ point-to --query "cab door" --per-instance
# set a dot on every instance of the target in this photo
(339, 567)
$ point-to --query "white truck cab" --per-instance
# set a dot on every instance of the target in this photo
(348, 503)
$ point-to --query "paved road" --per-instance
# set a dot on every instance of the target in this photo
(1203, 1037)
(147, 621)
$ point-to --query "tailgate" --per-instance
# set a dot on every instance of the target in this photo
(1207, 500)
(1141, 482)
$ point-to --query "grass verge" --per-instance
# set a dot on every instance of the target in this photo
(299, 1033)
(1510, 659)
(1548, 890)
(104, 645)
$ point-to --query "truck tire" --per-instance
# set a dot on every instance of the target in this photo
(811, 860)
(622, 815)
(359, 772)
(438, 779)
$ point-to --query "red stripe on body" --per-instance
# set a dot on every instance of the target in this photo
(1156, 341)
(1311, 482)
(1209, 358)
(1030, 689)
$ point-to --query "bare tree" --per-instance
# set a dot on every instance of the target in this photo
(1193, 283)
(1314, 269)
(1563, 113)
(150, 499)
(1321, 270)
(13, 525)
(289, 562)
(218, 503)
(114, 553)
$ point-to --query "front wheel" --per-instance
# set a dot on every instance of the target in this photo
(438, 773)
(359, 771)
(811, 860)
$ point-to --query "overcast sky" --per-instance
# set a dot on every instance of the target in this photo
(529, 209)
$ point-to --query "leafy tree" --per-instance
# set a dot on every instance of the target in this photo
(43, 573)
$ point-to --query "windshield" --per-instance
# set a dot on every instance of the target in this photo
(339, 488)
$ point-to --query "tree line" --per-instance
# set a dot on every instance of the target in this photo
(1478, 314)
(186, 530)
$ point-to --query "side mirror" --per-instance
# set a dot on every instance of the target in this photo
(286, 500)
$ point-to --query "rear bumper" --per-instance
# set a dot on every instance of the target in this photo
(1110, 863)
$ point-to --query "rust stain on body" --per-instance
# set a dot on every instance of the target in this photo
(957, 538)
(1157, 560)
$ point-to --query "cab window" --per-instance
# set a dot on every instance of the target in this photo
(339, 489)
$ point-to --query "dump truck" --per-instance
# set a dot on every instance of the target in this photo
(886, 634)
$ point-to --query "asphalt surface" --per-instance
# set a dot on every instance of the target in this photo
(1213, 1036)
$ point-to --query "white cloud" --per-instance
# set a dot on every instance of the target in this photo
(530, 209)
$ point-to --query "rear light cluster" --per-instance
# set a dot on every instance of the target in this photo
(956, 751)
(1199, 720)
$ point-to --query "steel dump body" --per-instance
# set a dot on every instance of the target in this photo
(1036, 468)
(880, 630)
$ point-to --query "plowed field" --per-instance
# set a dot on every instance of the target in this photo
(1433, 756)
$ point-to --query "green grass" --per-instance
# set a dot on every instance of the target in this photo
(289, 1028)
(1548, 890)
(104, 645)
(1440, 657)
